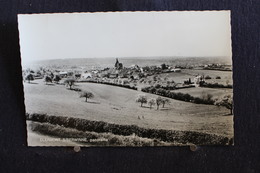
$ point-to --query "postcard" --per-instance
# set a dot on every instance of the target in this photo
(159, 78)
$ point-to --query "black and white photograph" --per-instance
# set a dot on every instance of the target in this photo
(130, 79)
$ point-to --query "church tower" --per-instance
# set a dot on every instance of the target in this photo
(117, 63)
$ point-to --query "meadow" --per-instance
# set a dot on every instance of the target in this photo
(113, 108)
(117, 105)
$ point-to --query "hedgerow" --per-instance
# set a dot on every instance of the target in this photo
(183, 137)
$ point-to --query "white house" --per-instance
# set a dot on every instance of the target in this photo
(176, 70)
(63, 74)
(197, 80)
(86, 75)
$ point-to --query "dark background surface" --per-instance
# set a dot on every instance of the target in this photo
(15, 156)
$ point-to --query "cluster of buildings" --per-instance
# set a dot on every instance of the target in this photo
(133, 72)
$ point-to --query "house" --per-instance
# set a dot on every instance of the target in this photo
(176, 70)
(113, 75)
(197, 80)
(63, 74)
(86, 75)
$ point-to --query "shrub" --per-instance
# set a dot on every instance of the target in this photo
(207, 77)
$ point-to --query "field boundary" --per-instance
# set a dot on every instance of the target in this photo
(108, 83)
(182, 137)
(177, 96)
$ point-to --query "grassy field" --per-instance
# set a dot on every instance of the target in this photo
(117, 105)
(225, 75)
(185, 74)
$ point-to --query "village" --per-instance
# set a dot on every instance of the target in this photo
(133, 75)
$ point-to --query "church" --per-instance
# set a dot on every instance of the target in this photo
(118, 65)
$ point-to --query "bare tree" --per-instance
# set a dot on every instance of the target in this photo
(141, 99)
(158, 102)
(165, 101)
(87, 95)
(226, 101)
(69, 82)
(151, 102)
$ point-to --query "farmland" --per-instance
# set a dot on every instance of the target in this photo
(175, 104)
(118, 106)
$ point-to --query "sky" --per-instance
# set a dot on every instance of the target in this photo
(124, 34)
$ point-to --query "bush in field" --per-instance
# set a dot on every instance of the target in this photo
(141, 99)
(57, 78)
(69, 82)
(48, 79)
(87, 95)
(151, 102)
(165, 101)
(207, 77)
(226, 101)
(29, 77)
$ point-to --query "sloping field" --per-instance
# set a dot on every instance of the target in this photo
(117, 105)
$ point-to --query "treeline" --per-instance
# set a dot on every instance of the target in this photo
(177, 96)
(214, 85)
(113, 84)
(168, 87)
(184, 137)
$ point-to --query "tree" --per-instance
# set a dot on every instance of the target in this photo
(151, 102)
(141, 99)
(69, 82)
(47, 79)
(158, 102)
(226, 101)
(57, 78)
(163, 66)
(52, 75)
(87, 95)
(29, 77)
(165, 101)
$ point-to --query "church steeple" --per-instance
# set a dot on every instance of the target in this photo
(117, 63)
